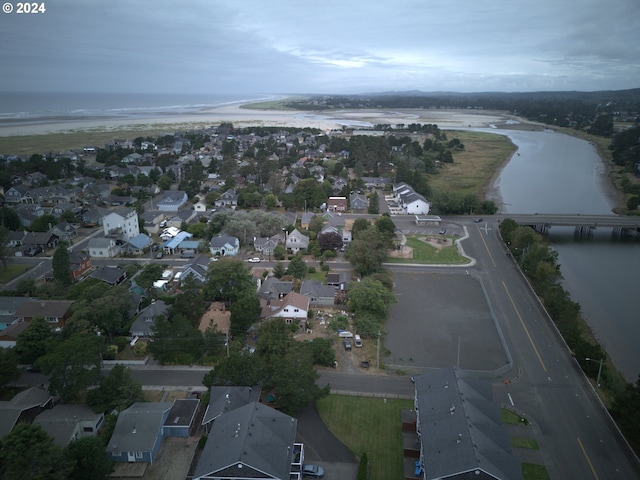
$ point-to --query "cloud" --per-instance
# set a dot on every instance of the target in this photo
(327, 47)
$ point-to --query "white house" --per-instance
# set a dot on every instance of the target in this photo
(123, 222)
(103, 248)
(296, 241)
(292, 306)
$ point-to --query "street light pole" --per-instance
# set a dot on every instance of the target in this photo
(599, 368)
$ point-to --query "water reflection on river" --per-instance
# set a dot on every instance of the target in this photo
(556, 173)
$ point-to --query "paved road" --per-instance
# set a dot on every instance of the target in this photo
(578, 439)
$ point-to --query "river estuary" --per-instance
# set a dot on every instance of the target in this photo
(557, 173)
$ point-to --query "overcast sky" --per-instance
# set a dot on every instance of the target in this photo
(306, 46)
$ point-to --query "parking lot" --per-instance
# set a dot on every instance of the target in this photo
(441, 320)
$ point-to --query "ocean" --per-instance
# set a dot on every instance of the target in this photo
(21, 109)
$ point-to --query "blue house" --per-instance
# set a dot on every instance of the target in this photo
(224, 245)
(138, 433)
(141, 428)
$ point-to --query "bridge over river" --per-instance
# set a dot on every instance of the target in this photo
(584, 224)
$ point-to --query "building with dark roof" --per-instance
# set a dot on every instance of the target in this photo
(459, 430)
(227, 398)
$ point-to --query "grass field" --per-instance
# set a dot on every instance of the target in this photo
(473, 169)
(11, 272)
(429, 255)
(370, 425)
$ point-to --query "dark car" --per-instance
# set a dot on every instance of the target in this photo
(443, 231)
(347, 344)
(477, 220)
(312, 471)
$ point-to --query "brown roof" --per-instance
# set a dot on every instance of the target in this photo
(216, 315)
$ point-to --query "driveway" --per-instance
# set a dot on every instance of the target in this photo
(322, 448)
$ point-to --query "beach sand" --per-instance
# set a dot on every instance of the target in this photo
(243, 117)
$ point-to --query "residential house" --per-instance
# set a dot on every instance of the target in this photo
(28, 213)
(110, 275)
(224, 399)
(267, 245)
(181, 418)
(8, 308)
(137, 244)
(121, 223)
(183, 216)
(216, 317)
(68, 423)
(23, 407)
(9, 335)
(138, 433)
(172, 201)
(65, 231)
(80, 263)
(94, 216)
(296, 241)
(16, 239)
(224, 245)
(293, 307)
(411, 202)
(305, 220)
(151, 220)
(359, 203)
(319, 294)
(42, 240)
(228, 199)
(55, 312)
(459, 431)
(274, 288)
(376, 182)
(197, 268)
(173, 244)
(18, 194)
(103, 248)
(337, 204)
(252, 441)
(141, 327)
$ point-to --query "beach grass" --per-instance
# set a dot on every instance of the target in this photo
(280, 104)
(371, 425)
(474, 168)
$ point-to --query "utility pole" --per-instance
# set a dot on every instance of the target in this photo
(378, 352)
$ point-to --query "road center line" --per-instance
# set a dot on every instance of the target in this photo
(524, 326)
(584, 452)
(487, 248)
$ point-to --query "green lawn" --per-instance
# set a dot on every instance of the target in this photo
(370, 425)
(531, 471)
(427, 254)
(511, 418)
(12, 272)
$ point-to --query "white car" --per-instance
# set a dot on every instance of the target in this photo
(254, 260)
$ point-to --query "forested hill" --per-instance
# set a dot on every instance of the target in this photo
(578, 109)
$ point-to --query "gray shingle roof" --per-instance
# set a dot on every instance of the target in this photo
(461, 427)
(250, 438)
(137, 427)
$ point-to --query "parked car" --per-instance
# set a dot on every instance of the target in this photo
(312, 471)
(443, 231)
(347, 344)
(254, 260)
(357, 341)
(159, 255)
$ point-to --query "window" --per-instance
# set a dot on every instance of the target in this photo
(296, 310)
(52, 319)
(138, 454)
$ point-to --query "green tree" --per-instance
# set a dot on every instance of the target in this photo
(28, 452)
(367, 251)
(387, 230)
(88, 459)
(292, 378)
(165, 182)
(73, 365)
(245, 311)
(274, 339)
(35, 340)
(43, 223)
(270, 201)
(238, 369)
(227, 279)
(370, 297)
(176, 341)
(359, 226)
(116, 391)
(4, 242)
(148, 275)
(297, 267)
(9, 370)
(61, 264)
